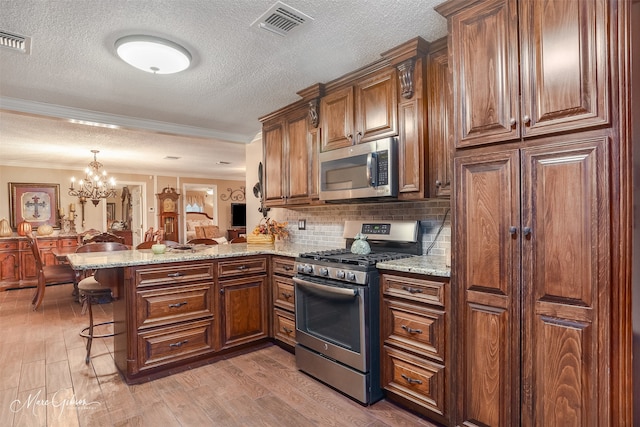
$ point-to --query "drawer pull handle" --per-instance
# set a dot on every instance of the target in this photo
(286, 295)
(242, 267)
(178, 304)
(410, 330)
(412, 290)
(178, 344)
(287, 330)
(288, 268)
(177, 274)
(411, 380)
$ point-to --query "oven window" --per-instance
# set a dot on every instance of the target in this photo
(335, 319)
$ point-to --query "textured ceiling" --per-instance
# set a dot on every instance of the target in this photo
(238, 74)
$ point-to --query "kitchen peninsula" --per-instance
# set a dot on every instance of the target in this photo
(185, 308)
(188, 307)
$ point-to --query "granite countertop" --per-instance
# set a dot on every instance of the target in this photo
(423, 264)
(94, 260)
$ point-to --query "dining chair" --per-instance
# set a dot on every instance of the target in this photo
(47, 274)
(98, 287)
(238, 239)
(105, 237)
(202, 241)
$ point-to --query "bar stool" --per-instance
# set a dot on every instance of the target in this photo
(91, 291)
(95, 287)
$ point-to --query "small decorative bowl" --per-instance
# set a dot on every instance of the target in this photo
(158, 248)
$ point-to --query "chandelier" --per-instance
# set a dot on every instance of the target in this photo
(95, 185)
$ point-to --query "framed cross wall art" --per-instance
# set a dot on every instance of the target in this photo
(36, 204)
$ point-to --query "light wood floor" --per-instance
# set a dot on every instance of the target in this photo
(45, 382)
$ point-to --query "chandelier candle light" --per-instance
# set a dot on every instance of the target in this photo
(95, 185)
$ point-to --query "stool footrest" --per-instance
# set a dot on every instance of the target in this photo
(84, 333)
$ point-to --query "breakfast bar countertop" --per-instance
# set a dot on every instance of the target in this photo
(96, 260)
(422, 264)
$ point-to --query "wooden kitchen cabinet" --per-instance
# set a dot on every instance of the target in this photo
(283, 297)
(243, 300)
(362, 112)
(290, 142)
(415, 328)
(532, 240)
(9, 262)
(524, 68)
(165, 318)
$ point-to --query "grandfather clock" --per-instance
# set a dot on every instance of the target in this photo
(168, 208)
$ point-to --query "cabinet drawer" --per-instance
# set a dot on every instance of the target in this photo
(283, 266)
(8, 246)
(164, 306)
(42, 244)
(284, 327)
(173, 274)
(415, 328)
(158, 347)
(67, 243)
(420, 290)
(242, 267)
(283, 295)
(414, 379)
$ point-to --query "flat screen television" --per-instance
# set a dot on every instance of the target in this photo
(238, 215)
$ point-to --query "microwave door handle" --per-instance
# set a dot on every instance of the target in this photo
(372, 167)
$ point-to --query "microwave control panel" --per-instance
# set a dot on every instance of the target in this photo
(383, 168)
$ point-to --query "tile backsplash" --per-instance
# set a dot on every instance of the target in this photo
(324, 224)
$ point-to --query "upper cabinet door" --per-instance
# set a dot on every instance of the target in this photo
(376, 107)
(336, 115)
(275, 173)
(563, 65)
(484, 61)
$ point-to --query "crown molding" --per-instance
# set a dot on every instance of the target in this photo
(96, 118)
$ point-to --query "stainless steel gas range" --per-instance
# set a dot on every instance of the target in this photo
(338, 307)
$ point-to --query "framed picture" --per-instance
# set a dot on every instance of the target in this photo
(37, 204)
(111, 211)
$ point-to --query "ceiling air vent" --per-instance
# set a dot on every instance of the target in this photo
(281, 19)
(15, 42)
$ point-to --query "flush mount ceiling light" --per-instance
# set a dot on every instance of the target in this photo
(153, 54)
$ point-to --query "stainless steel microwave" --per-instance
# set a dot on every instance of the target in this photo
(368, 170)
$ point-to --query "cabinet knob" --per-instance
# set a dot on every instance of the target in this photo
(512, 121)
(526, 231)
(438, 183)
(349, 137)
(526, 119)
(221, 291)
(513, 229)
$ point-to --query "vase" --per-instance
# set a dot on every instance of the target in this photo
(5, 229)
(261, 239)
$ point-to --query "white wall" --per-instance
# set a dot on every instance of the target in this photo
(253, 158)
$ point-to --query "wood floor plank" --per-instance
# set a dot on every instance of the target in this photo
(7, 405)
(32, 376)
(58, 376)
(62, 411)
(30, 409)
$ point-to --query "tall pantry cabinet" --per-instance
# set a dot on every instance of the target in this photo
(540, 201)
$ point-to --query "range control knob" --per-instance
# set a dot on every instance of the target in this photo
(340, 274)
(351, 276)
(324, 271)
(300, 268)
(308, 269)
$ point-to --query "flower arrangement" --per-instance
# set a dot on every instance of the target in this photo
(272, 227)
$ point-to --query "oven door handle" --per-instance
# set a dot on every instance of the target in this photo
(334, 290)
